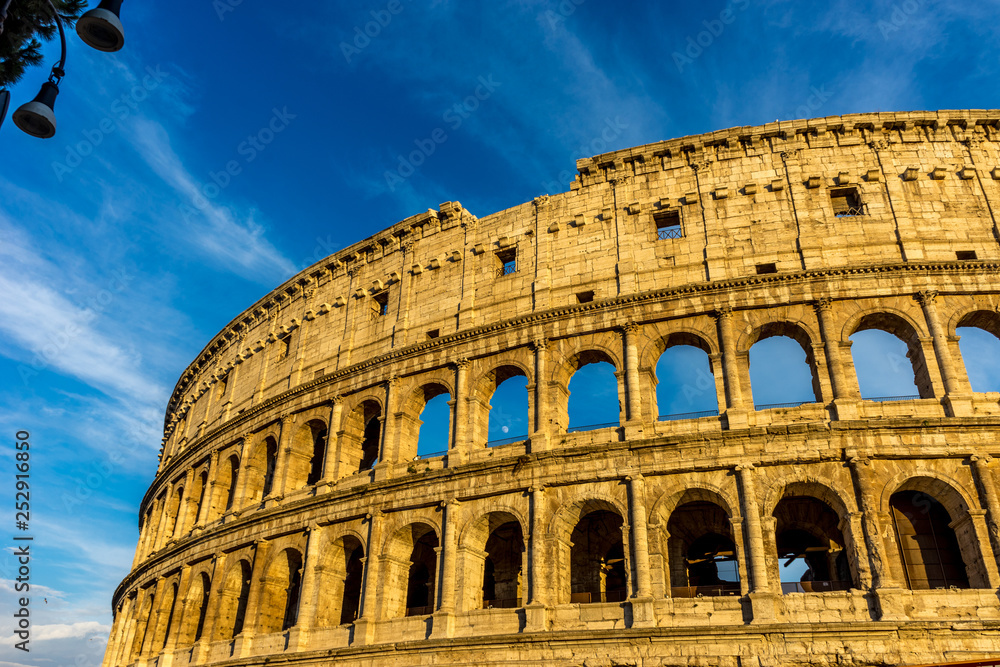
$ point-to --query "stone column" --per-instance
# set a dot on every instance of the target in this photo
(286, 454)
(444, 619)
(160, 538)
(980, 534)
(460, 444)
(540, 438)
(307, 592)
(173, 630)
(958, 404)
(364, 627)
(736, 409)
(642, 600)
(201, 646)
(632, 390)
(331, 458)
(845, 391)
(535, 610)
(208, 499)
(391, 435)
(244, 641)
(184, 507)
(239, 498)
(889, 605)
(762, 599)
(854, 533)
(987, 486)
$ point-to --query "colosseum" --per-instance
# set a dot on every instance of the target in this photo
(292, 519)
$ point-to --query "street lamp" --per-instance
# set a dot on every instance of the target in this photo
(100, 28)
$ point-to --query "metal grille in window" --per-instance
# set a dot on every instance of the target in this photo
(507, 262)
(668, 225)
(847, 202)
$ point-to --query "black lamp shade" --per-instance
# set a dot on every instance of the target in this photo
(101, 27)
(38, 117)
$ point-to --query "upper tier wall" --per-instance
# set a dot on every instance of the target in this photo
(928, 184)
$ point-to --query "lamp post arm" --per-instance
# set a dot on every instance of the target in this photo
(58, 71)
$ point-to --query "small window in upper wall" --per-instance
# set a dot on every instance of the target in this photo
(766, 268)
(286, 346)
(223, 385)
(506, 262)
(433, 333)
(380, 304)
(668, 224)
(585, 297)
(965, 254)
(846, 202)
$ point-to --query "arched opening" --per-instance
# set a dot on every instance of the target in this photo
(685, 382)
(502, 587)
(200, 491)
(166, 618)
(279, 608)
(340, 583)
(410, 571)
(502, 399)
(233, 478)
(233, 601)
(305, 465)
(592, 393)
(701, 551)
(427, 425)
(360, 443)
(782, 367)
(176, 510)
(810, 547)
(928, 546)
(318, 433)
(888, 359)
(980, 343)
(144, 622)
(260, 471)
(597, 559)
(195, 611)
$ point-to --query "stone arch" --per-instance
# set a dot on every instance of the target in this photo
(808, 527)
(166, 611)
(702, 553)
(360, 437)
(494, 553)
(259, 471)
(175, 512)
(413, 406)
(806, 486)
(305, 462)
(693, 491)
(903, 327)
(591, 562)
(656, 348)
(984, 320)
(799, 332)
(233, 596)
(281, 588)
(483, 390)
(192, 624)
(223, 496)
(340, 575)
(144, 621)
(935, 538)
(948, 491)
(976, 317)
(410, 570)
(196, 500)
(565, 372)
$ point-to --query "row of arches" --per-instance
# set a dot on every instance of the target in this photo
(427, 420)
(587, 554)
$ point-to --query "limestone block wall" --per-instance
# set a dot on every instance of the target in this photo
(292, 519)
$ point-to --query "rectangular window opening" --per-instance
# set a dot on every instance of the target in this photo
(846, 202)
(584, 297)
(286, 346)
(766, 268)
(380, 304)
(506, 262)
(965, 254)
(668, 224)
(433, 333)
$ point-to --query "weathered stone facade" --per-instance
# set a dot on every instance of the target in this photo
(290, 521)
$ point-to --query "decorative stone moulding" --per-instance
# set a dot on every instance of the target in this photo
(291, 486)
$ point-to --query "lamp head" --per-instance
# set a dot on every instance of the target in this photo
(38, 117)
(101, 28)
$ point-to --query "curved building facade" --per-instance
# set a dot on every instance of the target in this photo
(293, 519)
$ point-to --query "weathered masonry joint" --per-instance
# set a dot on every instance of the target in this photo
(293, 517)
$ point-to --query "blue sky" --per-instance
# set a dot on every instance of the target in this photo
(232, 143)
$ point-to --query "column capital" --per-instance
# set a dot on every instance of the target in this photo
(744, 467)
(925, 297)
(629, 328)
(539, 344)
(461, 364)
(722, 312)
(336, 399)
(823, 304)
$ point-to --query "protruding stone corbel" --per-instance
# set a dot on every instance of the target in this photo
(938, 173)
(910, 174)
(813, 182)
